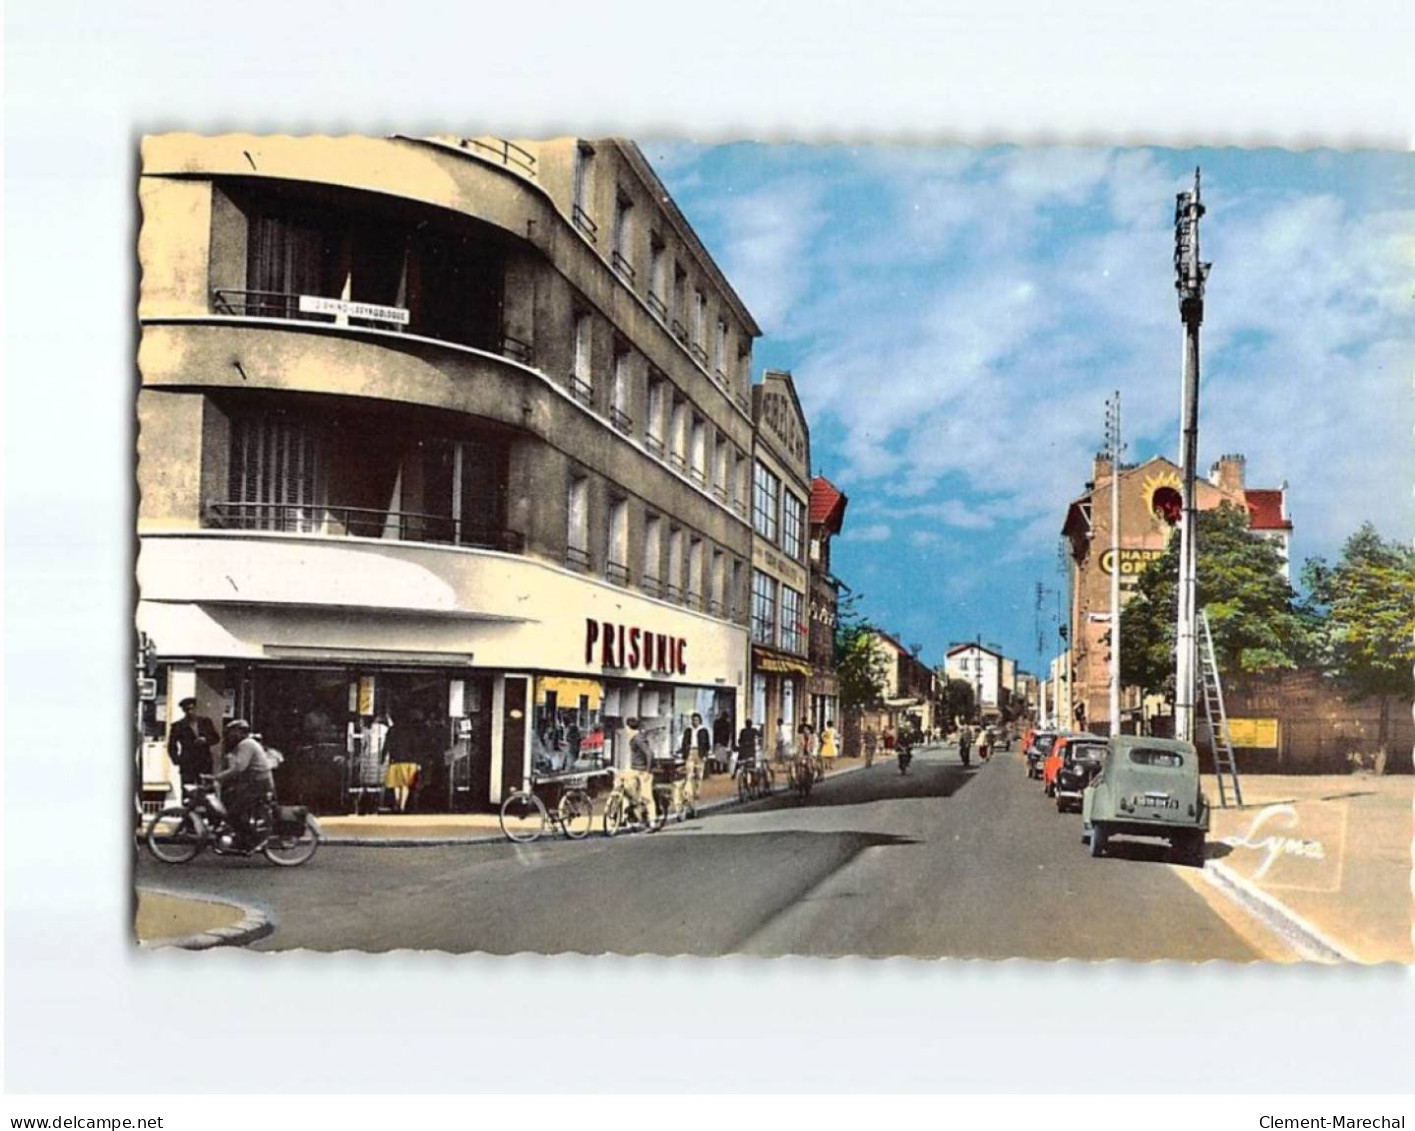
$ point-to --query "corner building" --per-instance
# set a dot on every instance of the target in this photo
(446, 436)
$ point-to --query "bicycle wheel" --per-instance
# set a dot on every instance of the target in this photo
(175, 836)
(615, 813)
(293, 849)
(663, 805)
(522, 817)
(576, 814)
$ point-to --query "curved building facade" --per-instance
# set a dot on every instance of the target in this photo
(444, 451)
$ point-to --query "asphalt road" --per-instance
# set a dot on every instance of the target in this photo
(943, 861)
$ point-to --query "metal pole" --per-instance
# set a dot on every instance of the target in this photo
(1113, 437)
(1189, 282)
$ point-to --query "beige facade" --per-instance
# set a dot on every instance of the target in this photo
(427, 425)
(1150, 502)
(781, 590)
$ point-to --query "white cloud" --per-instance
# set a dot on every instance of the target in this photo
(875, 532)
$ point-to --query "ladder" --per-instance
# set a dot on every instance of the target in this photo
(1225, 765)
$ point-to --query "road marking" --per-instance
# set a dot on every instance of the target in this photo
(1258, 933)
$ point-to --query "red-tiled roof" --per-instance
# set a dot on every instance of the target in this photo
(827, 504)
(1265, 510)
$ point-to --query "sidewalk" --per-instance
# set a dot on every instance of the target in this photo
(166, 918)
(412, 829)
(1331, 853)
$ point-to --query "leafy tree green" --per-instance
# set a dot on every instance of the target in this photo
(958, 697)
(860, 668)
(1257, 622)
(1367, 636)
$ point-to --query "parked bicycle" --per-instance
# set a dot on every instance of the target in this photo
(803, 776)
(755, 779)
(626, 810)
(525, 817)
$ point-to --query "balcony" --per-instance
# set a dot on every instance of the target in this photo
(739, 508)
(517, 350)
(698, 477)
(673, 593)
(679, 331)
(654, 445)
(581, 390)
(577, 558)
(715, 608)
(694, 600)
(621, 421)
(719, 492)
(658, 306)
(359, 522)
(581, 220)
(720, 377)
(622, 266)
(651, 585)
(699, 354)
(616, 573)
(677, 462)
(743, 403)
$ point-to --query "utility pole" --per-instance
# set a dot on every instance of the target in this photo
(1114, 448)
(1190, 275)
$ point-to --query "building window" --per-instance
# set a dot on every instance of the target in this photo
(582, 376)
(676, 298)
(580, 191)
(792, 522)
(766, 491)
(759, 707)
(763, 608)
(673, 589)
(577, 540)
(734, 598)
(274, 475)
(678, 435)
(738, 489)
(719, 352)
(697, 467)
(699, 328)
(719, 469)
(616, 563)
(658, 266)
(653, 554)
(695, 573)
(653, 428)
(619, 256)
(793, 636)
(717, 585)
(619, 393)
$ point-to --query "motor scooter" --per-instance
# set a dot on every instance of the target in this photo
(906, 755)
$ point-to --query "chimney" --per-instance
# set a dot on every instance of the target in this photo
(1100, 469)
(1227, 473)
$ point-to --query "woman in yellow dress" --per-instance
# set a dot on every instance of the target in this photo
(827, 748)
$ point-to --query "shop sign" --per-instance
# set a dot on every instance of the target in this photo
(1253, 734)
(1132, 561)
(634, 649)
(147, 689)
(342, 308)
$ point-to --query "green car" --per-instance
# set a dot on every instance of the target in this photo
(1148, 787)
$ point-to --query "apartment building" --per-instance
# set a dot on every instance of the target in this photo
(447, 434)
(781, 492)
(827, 513)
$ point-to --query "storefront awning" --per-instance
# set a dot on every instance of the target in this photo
(779, 665)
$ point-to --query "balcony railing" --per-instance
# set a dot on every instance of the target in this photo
(715, 607)
(616, 573)
(739, 507)
(719, 492)
(673, 593)
(581, 390)
(696, 475)
(360, 522)
(502, 152)
(658, 306)
(622, 265)
(577, 558)
(699, 354)
(621, 420)
(582, 220)
(721, 377)
(653, 444)
(517, 350)
(677, 462)
(679, 330)
(651, 585)
(744, 403)
(694, 600)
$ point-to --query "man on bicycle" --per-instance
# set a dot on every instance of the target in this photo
(247, 783)
(637, 777)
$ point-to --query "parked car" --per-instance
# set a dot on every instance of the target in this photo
(1147, 787)
(1042, 743)
(1074, 761)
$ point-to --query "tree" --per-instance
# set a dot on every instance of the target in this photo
(958, 699)
(1367, 634)
(860, 667)
(1256, 620)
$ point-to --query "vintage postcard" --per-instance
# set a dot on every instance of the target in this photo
(589, 545)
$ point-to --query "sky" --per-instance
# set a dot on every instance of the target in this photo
(955, 319)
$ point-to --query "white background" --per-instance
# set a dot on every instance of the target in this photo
(83, 1012)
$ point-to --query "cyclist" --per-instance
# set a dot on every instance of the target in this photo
(247, 784)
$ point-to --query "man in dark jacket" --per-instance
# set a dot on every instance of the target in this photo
(191, 742)
(247, 783)
(746, 752)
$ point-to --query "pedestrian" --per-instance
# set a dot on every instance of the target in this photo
(697, 743)
(888, 741)
(400, 750)
(638, 775)
(745, 753)
(191, 743)
(828, 747)
(721, 742)
(247, 785)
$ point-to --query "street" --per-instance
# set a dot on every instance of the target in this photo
(941, 862)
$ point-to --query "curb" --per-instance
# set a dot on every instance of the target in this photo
(497, 838)
(256, 924)
(1310, 943)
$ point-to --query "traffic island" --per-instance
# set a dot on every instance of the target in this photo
(1325, 859)
(192, 922)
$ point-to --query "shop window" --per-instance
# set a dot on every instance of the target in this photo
(759, 703)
